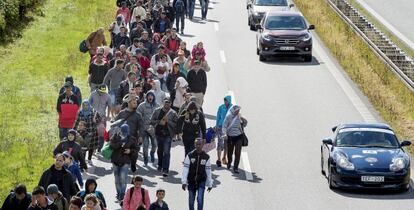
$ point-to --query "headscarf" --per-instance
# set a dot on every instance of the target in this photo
(86, 112)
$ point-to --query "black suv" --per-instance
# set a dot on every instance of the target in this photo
(284, 33)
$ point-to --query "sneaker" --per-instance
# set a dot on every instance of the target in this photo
(182, 32)
(236, 171)
(218, 163)
(164, 174)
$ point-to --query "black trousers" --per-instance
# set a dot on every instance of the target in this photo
(234, 143)
(188, 141)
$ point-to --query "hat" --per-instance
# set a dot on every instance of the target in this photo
(72, 131)
(125, 129)
(102, 88)
(67, 84)
(52, 189)
(67, 154)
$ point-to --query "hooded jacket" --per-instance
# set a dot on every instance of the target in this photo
(222, 112)
(232, 125)
(192, 124)
(146, 109)
(134, 121)
(172, 78)
(82, 194)
(179, 99)
(159, 93)
(119, 158)
(172, 120)
(11, 202)
(66, 185)
(76, 173)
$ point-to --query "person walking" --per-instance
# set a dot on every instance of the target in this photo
(221, 144)
(67, 108)
(191, 6)
(197, 175)
(233, 130)
(95, 39)
(173, 76)
(113, 79)
(191, 124)
(18, 199)
(146, 109)
(100, 100)
(75, 89)
(58, 175)
(179, 92)
(159, 204)
(180, 7)
(90, 118)
(204, 9)
(90, 188)
(197, 82)
(123, 145)
(75, 150)
(40, 201)
(75, 203)
(56, 196)
(72, 166)
(97, 71)
(164, 119)
(136, 196)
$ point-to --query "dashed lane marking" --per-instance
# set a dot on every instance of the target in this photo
(222, 56)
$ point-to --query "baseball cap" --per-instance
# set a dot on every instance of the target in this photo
(102, 88)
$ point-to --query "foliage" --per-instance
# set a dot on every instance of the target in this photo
(31, 72)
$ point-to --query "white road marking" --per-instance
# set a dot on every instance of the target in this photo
(386, 24)
(346, 87)
(216, 26)
(246, 166)
(222, 56)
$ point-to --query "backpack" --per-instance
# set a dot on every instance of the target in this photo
(116, 126)
(132, 193)
(82, 47)
(179, 6)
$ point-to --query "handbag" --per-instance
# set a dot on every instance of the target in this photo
(245, 140)
(107, 151)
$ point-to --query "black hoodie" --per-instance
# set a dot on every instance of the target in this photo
(82, 194)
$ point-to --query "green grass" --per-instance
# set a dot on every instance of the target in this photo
(31, 72)
(384, 29)
(384, 89)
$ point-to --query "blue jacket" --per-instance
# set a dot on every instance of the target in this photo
(222, 112)
(76, 174)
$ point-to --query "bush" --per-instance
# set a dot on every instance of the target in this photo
(13, 16)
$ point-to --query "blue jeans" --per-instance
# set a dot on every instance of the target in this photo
(63, 132)
(147, 138)
(179, 18)
(192, 191)
(191, 5)
(121, 179)
(204, 8)
(163, 152)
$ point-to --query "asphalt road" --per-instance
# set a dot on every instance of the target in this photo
(290, 106)
(397, 15)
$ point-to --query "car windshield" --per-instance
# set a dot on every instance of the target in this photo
(366, 139)
(271, 3)
(285, 23)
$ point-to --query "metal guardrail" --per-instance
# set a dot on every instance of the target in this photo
(396, 58)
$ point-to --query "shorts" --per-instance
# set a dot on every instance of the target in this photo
(221, 143)
(113, 95)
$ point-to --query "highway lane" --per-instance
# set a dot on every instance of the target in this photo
(290, 106)
(396, 15)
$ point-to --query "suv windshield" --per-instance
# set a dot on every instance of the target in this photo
(271, 3)
(285, 23)
(366, 139)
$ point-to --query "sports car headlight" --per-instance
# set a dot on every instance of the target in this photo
(306, 38)
(397, 164)
(344, 163)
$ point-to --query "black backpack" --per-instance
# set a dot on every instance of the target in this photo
(179, 6)
(132, 193)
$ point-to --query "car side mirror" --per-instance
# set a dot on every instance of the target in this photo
(405, 143)
(334, 128)
(311, 27)
(327, 141)
(258, 27)
(291, 5)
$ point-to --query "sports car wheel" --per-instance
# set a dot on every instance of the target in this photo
(330, 181)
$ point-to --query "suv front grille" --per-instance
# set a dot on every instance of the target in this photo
(286, 41)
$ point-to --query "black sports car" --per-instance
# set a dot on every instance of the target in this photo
(365, 156)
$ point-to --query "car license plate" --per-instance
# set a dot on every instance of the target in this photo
(287, 48)
(372, 178)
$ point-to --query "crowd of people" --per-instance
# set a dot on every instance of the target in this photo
(146, 91)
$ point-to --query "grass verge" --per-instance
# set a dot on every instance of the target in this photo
(384, 89)
(31, 72)
(384, 29)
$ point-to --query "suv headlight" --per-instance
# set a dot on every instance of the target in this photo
(306, 38)
(344, 163)
(266, 37)
(397, 164)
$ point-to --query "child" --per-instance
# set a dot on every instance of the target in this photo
(160, 204)
(198, 49)
(73, 167)
(91, 203)
(56, 196)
